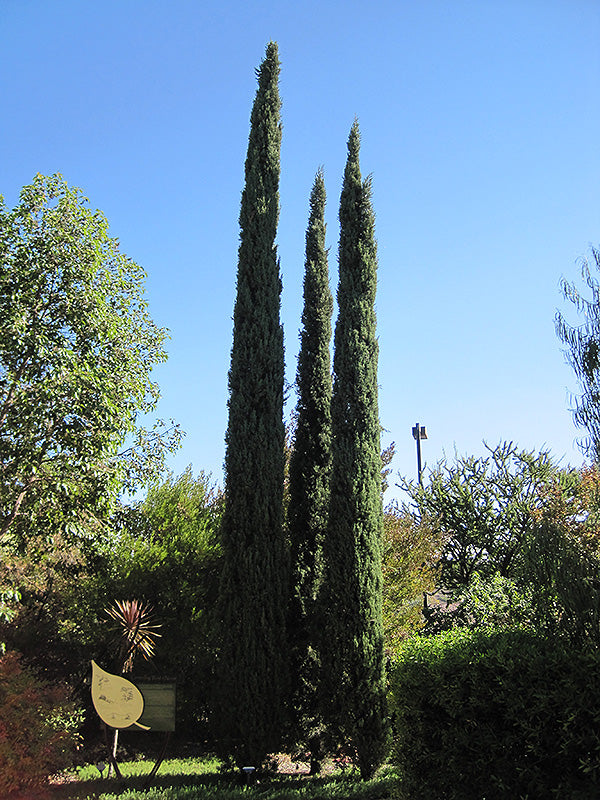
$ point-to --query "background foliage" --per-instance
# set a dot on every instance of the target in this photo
(411, 551)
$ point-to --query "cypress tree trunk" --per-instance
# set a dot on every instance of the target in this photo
(352, 644)
(309, 472)
(252, 673)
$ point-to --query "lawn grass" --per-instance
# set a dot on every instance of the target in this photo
(200, 779)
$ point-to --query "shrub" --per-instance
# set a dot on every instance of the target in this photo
(411, 551)
(496, 714)
(562, 565)
(38, 726)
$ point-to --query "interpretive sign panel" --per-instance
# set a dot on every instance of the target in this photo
(120, 703)
(159, 706)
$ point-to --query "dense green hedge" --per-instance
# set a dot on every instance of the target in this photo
(496, 715)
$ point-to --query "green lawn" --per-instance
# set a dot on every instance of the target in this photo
(199, 779)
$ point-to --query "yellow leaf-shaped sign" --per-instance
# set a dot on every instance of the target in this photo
(119, 702)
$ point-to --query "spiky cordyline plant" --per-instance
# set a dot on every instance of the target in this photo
(137, 632)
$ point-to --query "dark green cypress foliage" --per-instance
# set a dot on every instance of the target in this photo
(309, 469)
(353, 687)
(252, 673)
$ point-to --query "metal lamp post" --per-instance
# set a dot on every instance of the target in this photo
(419, 432)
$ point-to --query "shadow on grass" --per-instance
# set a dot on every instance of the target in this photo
(230, 787)
(138, 783)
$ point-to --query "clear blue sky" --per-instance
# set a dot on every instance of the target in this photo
(480, 124)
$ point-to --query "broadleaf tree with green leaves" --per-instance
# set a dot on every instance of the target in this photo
(309, 471)
(252, 669)
(77, 347)
(353, 686)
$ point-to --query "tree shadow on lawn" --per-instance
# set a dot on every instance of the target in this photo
(74, 789)
(231, 786)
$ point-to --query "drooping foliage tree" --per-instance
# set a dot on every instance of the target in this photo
(583, 353)
(353, 687)
(482, 509)
(515, 543)
(309, 471)
(253, 591)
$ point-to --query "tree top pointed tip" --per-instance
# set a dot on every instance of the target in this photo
(271, 59)
(270, 65)
(354, 140)
(318, 189)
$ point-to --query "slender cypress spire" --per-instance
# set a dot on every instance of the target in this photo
(352, 645)
(310, 465)
(252, 671)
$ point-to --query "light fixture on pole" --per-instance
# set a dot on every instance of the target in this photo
(419, 432)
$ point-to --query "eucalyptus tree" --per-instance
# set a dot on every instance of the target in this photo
(583, 352)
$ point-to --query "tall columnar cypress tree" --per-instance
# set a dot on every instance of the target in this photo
(252, 673)
(310, 466)
(352, 645)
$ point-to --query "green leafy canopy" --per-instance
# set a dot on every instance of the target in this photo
(77, 346)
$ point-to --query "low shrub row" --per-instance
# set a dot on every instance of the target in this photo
(492, 715)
